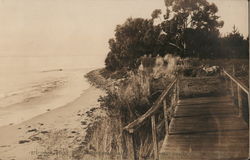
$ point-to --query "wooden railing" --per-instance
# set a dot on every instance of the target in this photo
(161, 101)
(238, 98)
(240, 87)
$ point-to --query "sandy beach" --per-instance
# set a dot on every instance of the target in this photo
(54, 134)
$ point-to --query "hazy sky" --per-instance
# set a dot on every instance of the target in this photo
(83, 27)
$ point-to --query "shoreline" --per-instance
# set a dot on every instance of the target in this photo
(43, 97)
(70, 123)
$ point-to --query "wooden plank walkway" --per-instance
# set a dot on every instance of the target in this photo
(206, 128)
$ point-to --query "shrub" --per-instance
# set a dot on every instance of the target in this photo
(136, 92)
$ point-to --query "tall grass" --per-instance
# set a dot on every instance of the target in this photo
(137, 92)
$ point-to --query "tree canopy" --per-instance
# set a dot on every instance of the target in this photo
(192, 25)
(234, 45)
(133, 39)
(189, 28)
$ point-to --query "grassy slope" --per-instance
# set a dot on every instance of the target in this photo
(206, 86)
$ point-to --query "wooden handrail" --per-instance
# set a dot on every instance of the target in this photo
(130, 127)
(240, 84)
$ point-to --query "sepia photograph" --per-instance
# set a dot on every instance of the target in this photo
(124, 80)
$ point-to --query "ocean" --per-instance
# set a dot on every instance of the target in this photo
(30, 86)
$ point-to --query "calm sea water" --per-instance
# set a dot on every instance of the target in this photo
(23, 79)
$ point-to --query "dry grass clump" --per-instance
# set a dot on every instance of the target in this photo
(135, 92)
(142, 86)
(165, 66)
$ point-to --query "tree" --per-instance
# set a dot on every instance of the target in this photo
(156, 13)
(190, 28)
(190, 21)
(133, 39)
(234, 45)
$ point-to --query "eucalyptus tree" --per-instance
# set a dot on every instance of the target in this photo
(188, 28)
(192, 26)
(133, 39)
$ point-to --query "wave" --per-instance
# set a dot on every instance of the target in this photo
(53, 70)
(24, 95)
(36, 90)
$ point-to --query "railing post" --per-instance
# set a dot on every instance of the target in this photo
(177, 90)
(232, 86)
(226, 80)
(154, 134)
(165, 115)
(130, 145)
(233, 70)
(240, 101)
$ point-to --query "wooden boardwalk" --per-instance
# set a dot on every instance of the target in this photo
(206, 128)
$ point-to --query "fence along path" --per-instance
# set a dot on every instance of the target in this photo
(209, 128)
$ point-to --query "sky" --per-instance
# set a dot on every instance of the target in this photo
(233, 12)
(83, 27)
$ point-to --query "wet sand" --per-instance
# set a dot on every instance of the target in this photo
(52, 135)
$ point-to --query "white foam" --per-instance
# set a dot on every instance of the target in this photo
(22, 80)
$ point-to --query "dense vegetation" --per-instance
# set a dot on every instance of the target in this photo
(147, 54)
(189, 28)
